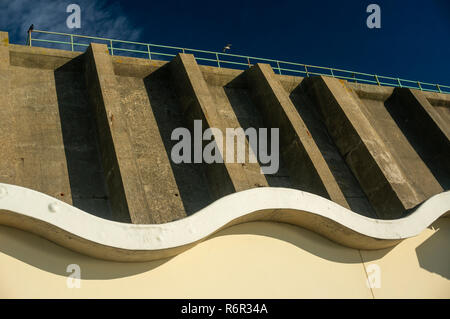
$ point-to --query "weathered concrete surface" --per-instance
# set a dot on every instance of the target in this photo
(233, 89)
(122, 175)
(134, 67)
(152, 110)
(95, 131)
(190, 183)
(298, 148)
(229, 119)
(198, 103)
(314, 122)
(415, 170)
(441, 104)
(32, 149)
(426, 130)
(248, 113)
(386, 166)
(142, 171)
(52, 105)
(158, 181)
(81, 145)
(7, 123)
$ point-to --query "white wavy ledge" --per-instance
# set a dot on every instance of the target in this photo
(75, 229)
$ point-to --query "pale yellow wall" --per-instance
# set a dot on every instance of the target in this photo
(254, 260)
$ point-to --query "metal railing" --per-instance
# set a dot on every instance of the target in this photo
(219, 59)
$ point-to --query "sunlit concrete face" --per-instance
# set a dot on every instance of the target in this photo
(253, 260)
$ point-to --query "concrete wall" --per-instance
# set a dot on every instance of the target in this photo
(32, 145)
(94, 130)
(50, 137)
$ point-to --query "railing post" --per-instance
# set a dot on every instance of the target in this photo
(439, 88)
(420, 86)
(248, 61)
(306, 69)
(112, 50)
(218, 61)
(399, 82)
(354, 76)
(279, 69)
(149, 53)
(184, 51)
(71, 41)
(29, 36)
(332, 73)
(376, 79)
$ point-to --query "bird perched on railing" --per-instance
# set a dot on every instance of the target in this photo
(227, 47)
(30, 29)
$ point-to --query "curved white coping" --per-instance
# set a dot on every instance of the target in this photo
(276, 204)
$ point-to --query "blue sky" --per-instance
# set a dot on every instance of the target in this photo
(412, 43)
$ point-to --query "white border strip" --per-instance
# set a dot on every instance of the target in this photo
(28, 203)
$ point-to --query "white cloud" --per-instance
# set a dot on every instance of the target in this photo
(98, 18)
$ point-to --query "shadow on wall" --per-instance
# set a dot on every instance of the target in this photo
(190, 178)
(434, 254)
(311, 115)
(45, 255)
(304, 239)
(430, 144)
(81, 146)
(248, 115)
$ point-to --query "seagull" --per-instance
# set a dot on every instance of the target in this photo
(227, 47)
(31, 28)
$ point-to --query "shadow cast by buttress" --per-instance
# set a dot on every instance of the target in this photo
(79, 132)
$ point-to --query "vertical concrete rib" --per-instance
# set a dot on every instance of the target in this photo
(386, 184)
(198, 103)
(122, 175)
(300, 152)
(425, 129)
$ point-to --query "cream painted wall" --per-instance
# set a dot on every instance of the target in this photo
(253, 260)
